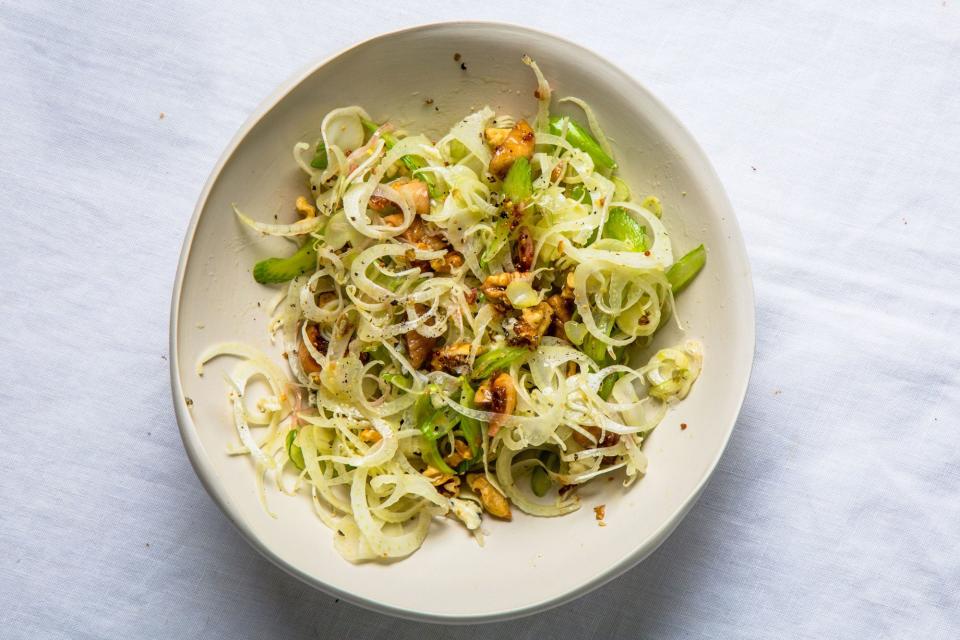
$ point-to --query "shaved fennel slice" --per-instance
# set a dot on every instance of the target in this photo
(343, 128)
(238, 349)
(299, 228)
(362, 264)
(357, 194)
(593, 123)
(469, 133)
(543, 94)
(508, 485)
(671, 372)
(243, 430)
(380, 543)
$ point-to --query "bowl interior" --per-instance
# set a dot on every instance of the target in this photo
(412, 78)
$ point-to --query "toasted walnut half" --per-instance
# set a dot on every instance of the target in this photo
(419, 347)
(499, 396)
(533, 323)
(418, 233)
(518, 143)
(495, 289)
(415, 191)
(561, 313)
(493, 501)
(452, 358)
(307, 363)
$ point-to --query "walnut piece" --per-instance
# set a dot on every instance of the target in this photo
(609, 439)
(452, 358)
(518, 143)
(600, 511)
(532, 325)
(418, 233)
(523, 250)
(434, 475)
(447, 263)
(304, 208)
(492, 500)
(451, 488)
(561, 313)
(495, 136)
(484, 394)
(445, 483)
(461, 452)
(418, 348)
(370, 436)
(415, 191)
(499, 396)
(495, 289)
(307, 363)
(463, 449)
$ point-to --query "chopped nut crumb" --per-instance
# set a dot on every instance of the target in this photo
(370, 436)
(494, 502)
(304, 208)
(532, 325)
(683, 426)
(452, 358)
(520, 142)
(600, 511)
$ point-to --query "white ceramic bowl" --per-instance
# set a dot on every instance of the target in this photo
(531, 563)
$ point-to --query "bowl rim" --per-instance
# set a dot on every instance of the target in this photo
(202, 464)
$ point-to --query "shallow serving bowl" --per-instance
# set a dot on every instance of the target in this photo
(411, 78)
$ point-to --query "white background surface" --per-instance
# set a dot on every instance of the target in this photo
(835, 129)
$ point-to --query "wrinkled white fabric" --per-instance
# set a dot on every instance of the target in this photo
(835, 128)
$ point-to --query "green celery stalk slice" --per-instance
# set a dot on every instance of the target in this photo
(275, 270)
(620, 225)
(294, 452)
(579, 136)
(682, 272)
(496, 359)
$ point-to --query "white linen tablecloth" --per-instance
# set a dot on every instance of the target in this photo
(836, 130)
